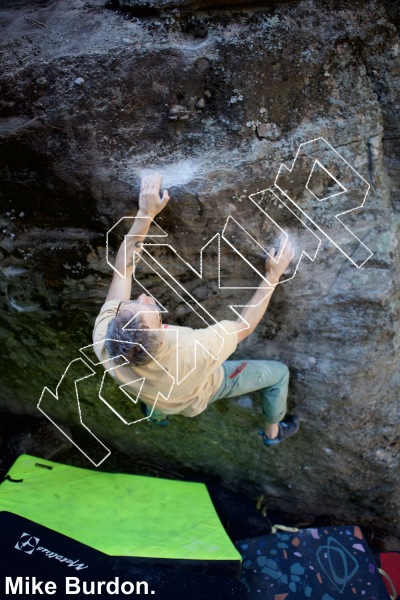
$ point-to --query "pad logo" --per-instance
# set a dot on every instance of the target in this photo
(27, 543)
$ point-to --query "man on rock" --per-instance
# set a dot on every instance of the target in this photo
(157, 360)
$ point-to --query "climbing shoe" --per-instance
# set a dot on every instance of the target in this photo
(163, 421)
(287, 428)
(159, 422)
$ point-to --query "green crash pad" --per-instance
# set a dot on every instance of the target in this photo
(119, 514)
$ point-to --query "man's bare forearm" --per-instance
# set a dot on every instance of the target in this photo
(150, 204)
(133, 243)
(275, 266)
(255, 310)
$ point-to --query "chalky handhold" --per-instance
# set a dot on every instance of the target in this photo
(177, 112)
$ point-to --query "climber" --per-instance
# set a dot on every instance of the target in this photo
(180, 369)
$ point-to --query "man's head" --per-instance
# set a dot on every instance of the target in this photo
(134, 330)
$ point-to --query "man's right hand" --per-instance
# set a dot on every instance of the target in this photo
(275, 267)
(150, 203)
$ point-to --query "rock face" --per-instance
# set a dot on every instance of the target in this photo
(216, 99)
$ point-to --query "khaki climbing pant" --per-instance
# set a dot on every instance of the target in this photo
(267, 377)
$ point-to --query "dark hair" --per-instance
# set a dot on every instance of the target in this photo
(132, 345)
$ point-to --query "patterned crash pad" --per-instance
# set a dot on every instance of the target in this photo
(317, 564)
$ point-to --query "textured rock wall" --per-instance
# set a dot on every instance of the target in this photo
(216, 99)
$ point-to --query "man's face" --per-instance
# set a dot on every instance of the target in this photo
(146, 306)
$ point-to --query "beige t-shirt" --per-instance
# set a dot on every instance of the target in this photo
(186, 370)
